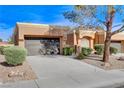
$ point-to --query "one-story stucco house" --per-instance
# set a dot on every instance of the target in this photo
(88, 38)
(30, 35)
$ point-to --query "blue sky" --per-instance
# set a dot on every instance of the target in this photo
(9, 15)
(43, 14)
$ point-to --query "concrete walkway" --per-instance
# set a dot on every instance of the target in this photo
(65, 72)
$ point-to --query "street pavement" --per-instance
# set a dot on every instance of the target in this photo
(65, 72)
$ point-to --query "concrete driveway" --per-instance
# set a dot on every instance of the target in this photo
(65, 72)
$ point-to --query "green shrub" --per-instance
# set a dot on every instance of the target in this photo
(15, 55)
(89, 50)
(68, 51)
(71, 51)
(86, 51)
(2, 49)
(65, 51)
(113, 50)
(99, 49)
(80, 56)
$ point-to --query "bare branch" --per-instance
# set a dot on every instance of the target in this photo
(104, 23)
(118, 31)
(99, 20)
(116, 25)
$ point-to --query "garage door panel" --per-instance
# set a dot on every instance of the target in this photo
(33, 45)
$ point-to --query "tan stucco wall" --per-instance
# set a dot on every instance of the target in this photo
(98, 37)
(70, 39)
(119, 37)
(122, 48)
(90, 35)
(28, 29)
(66, 38)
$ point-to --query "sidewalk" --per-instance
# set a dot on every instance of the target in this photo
(64, 72)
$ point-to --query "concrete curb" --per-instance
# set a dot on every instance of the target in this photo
(117, 83)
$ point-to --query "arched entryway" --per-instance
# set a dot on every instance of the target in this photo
(85, 42)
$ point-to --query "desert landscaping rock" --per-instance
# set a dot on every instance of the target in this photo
(121, 58)
(96, 60)
(15, 73)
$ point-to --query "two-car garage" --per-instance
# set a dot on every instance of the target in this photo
(40, 38)
(42, 45)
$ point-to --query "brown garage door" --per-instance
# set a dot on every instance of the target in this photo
(34, 45)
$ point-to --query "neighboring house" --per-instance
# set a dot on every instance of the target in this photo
(88, 38)
(31, 36)
(5, 44)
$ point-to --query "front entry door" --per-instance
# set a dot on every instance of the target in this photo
(85, 42)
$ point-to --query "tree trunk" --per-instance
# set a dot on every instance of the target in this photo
(107, 49)
(109, 22)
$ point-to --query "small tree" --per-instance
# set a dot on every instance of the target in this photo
(1, 40)
(109, 17)
(11, 40)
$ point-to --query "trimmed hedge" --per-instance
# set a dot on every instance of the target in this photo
(15, 55)
(68, 51)
(86, 51)
(2, 49)
(80, 56)
(71, 51)
(113, 50)
(100, 49)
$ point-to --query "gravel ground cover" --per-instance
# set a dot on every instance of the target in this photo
(15, 73)
(96, 60)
